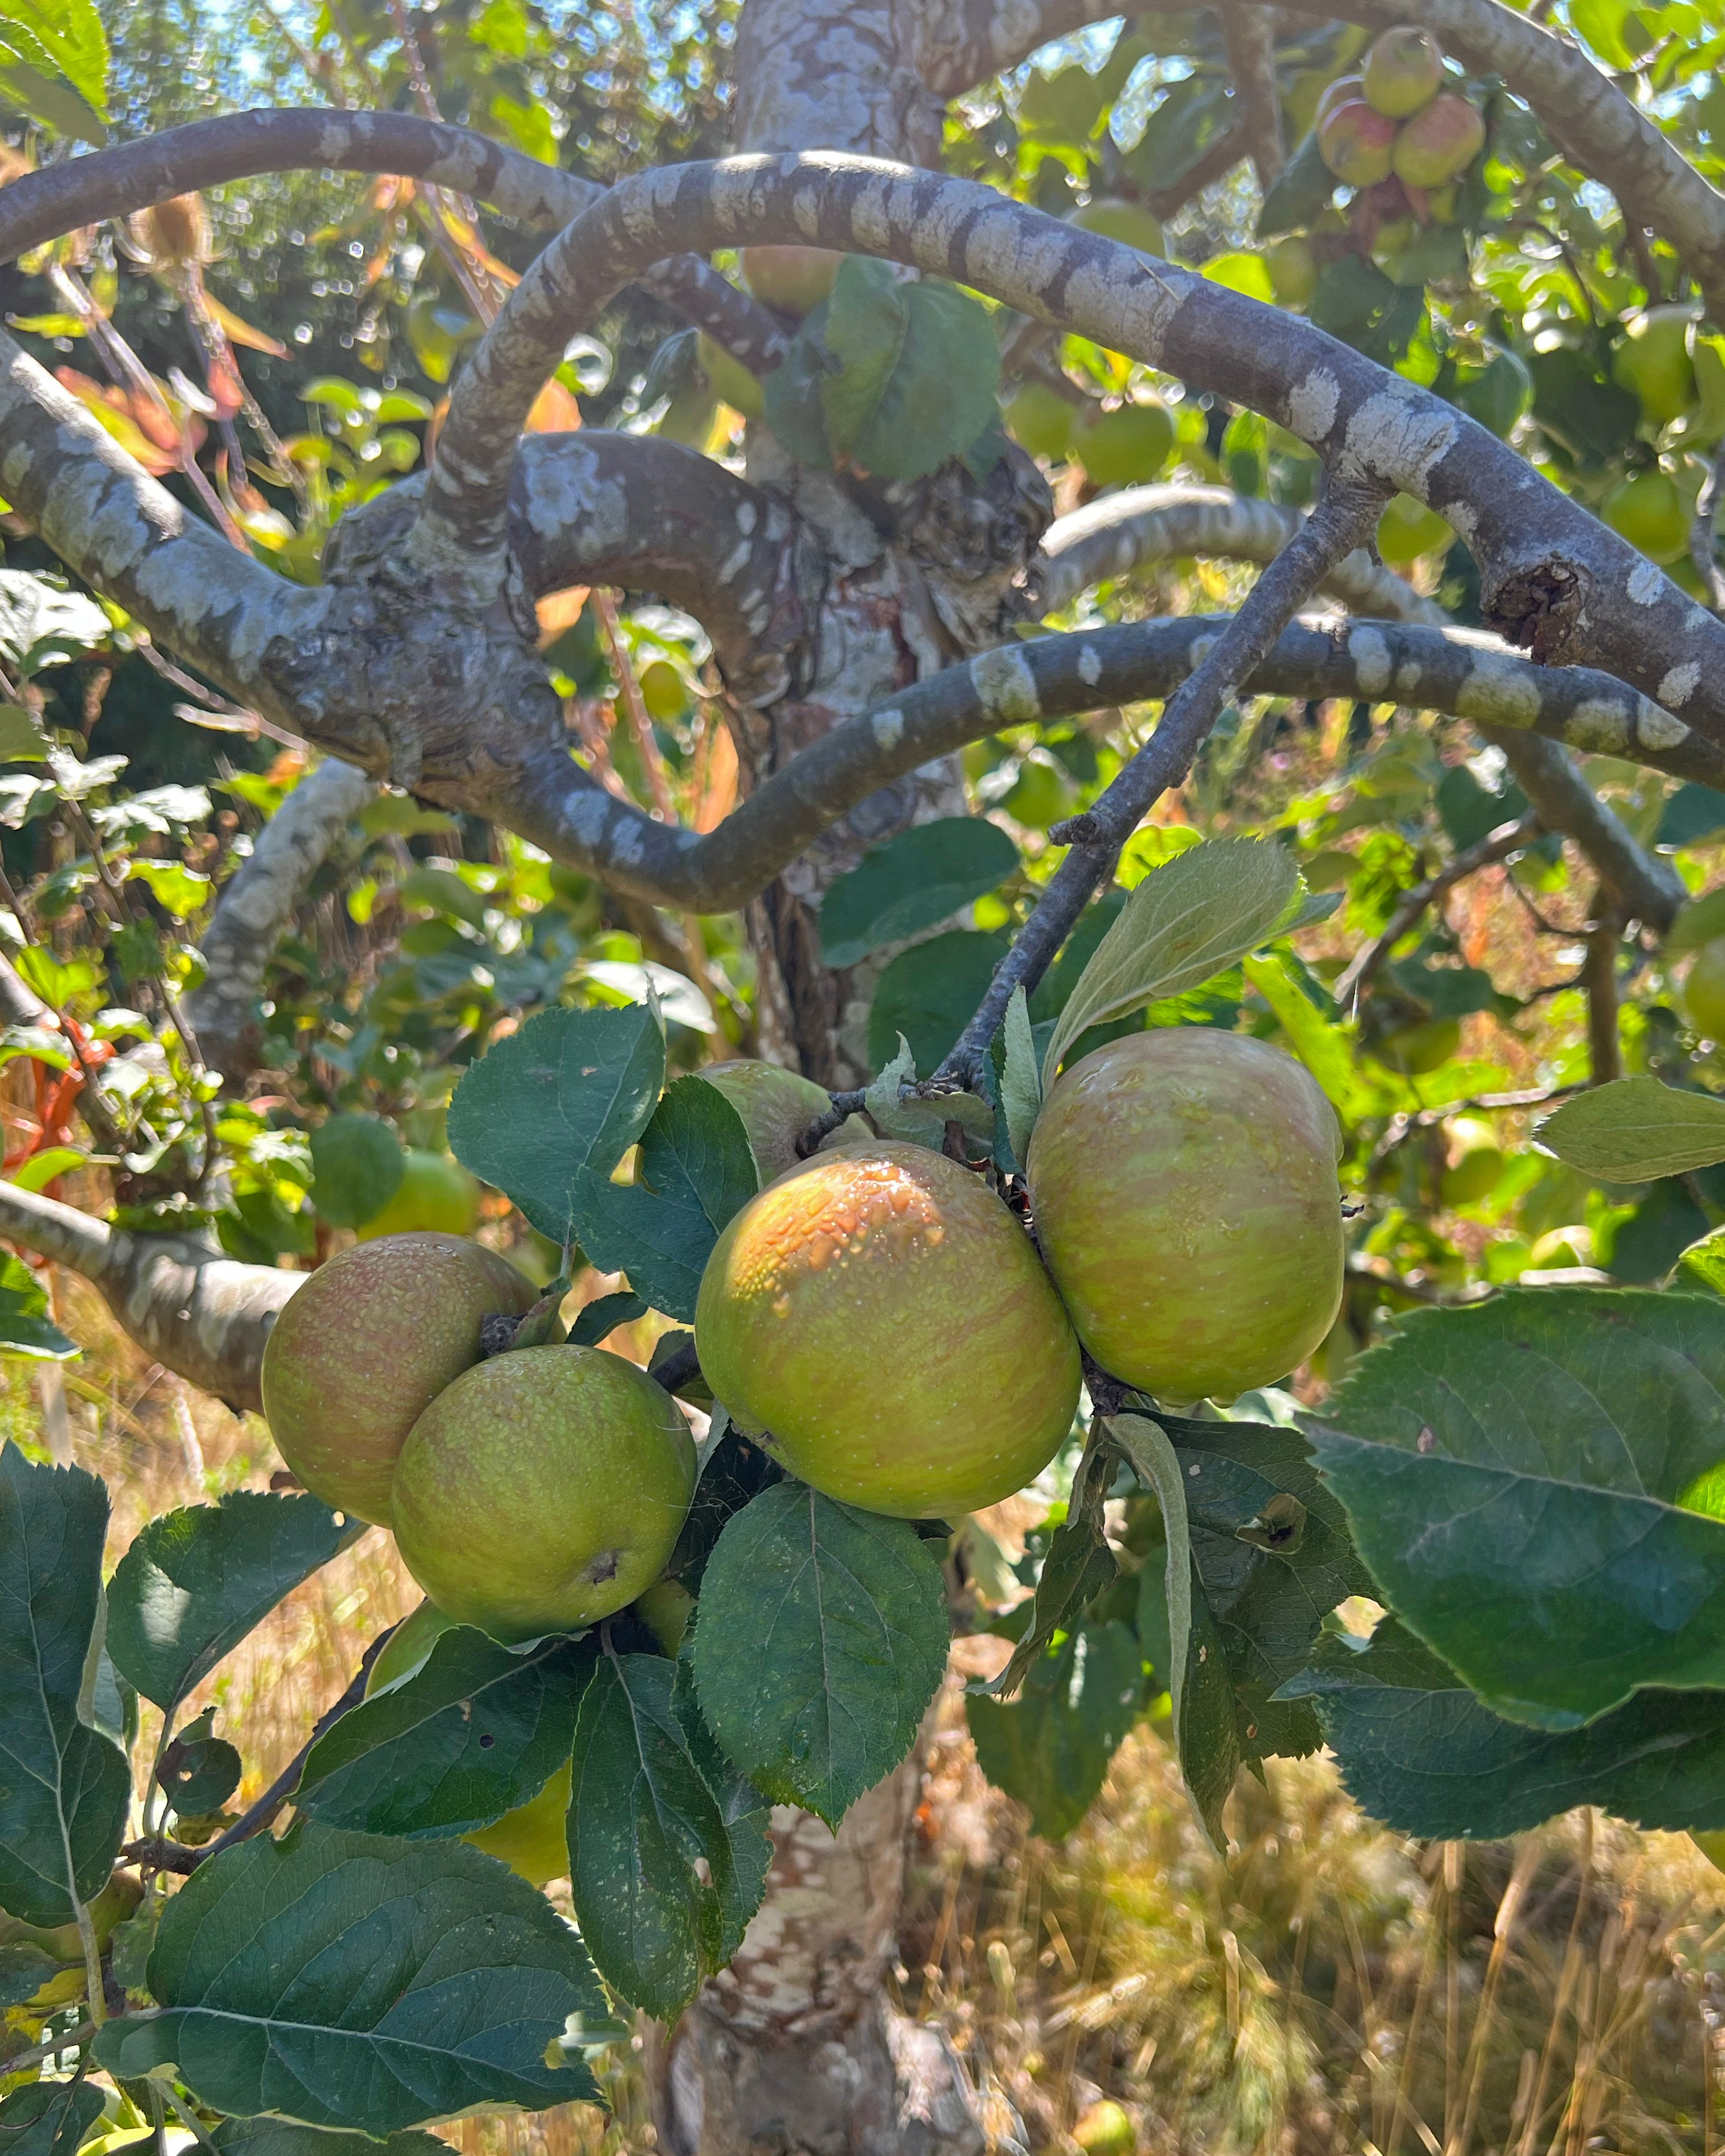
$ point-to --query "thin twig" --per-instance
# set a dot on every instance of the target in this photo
(1598, 977)
(16, 2061)
(1341, 522)
(1496, 846)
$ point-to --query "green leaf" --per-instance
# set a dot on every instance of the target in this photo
(1300, 191)
(1418, 1751)
(441, 890)
(917, 369)
(196, 1581)
(53, 102)
(572, 1090)
(600, 1319)
(1185, 921)
(1637, 1130)
(732, 1473)
(668, 1846)
(21, 739)
(67, 36)
(1323, 1046)
(1701, 1266)
(693, 1171)
(281, 2137)
(42, 624)
(476, 1730)
(65, 1788)
(822, 1639)
(914, 882)
(23, 1971)
(199, 1772)
(348, 1981)
(25, 1328)
(1190, 116)
(1273, 1556)
(928, 994)
(177, 890)
(48, 2118)
(922, 1120)
(358, 1164)
(1050, 1747)
(1021, 1081)
(1206, 1725)
(1079, 1565)
(1701, 922)
(1516, 1475)
(1693, 812)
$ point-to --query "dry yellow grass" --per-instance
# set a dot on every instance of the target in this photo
(1330, 1987)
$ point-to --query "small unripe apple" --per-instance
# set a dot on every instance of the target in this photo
(795, 279)
(363, 1350)
(542, 1489)
(1653, 363)
(1183, 1187)
(436, 1196)
(1040, 420)
(61, 1942)
(1293, 269)
(1408, 529)
(1104, 2129)
(1439, 144)
(665, 1610)
(532, 1838)
(1648, 509)
(1128, 222)
(1704, 991)
(1425, 1045)
(1355, 142)
(1403, 71)
(1345, 89)
(775, 1107)
(1127, 447)
(885, 1325)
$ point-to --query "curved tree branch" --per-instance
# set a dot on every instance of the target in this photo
(1141, 525)
(1553, 575)
(1502, 845)
(238, 145)
(1111, 537)
(206, 1316)
(257, 904)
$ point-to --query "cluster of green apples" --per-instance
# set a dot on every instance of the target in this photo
(1395, 118)
(880, 1320)
(1653, 506)
(876, 1317)
(1401, 139)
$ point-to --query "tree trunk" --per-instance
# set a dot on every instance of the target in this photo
(796, 2047)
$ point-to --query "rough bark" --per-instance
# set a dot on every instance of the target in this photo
(257, 904)
(184, 1303)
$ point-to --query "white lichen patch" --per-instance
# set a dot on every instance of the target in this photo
(1089, 665)
(1600, 726)
(1499, 688)
(1127, 305)
(888, 727)
(745, 518)
(735, 562)
(1680, 683)
(1005, 687)
(1408, 677)
(1370, 653)
(1313, 403)
(1646, 585)
(1397, 438)
(567, 492)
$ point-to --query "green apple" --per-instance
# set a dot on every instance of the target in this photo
(665, 1610)
(1653, 365)
(365, 1346)
(1423, 1046)
(1704, 991)
(1403, 71)
(542, 1489)
(1293, 268)
(1183, 1187)
(61, 1942)
(776, 1105)
(1355, 143)
(795, 279)
(1104, 2129)
(1127, 447)
(1128, 222)
(1040, 420)
(1040, 794)
(531, 1839)
(436, 1195)
(1438, 144)
(1408, 529)
(1648, 509)
(883, 1324)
